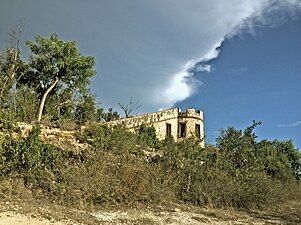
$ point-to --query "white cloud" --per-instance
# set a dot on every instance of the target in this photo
(236, 17)
(147, 49)
(183, 84)
(295, 124)
(204, 68)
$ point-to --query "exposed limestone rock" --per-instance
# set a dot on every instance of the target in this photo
(59, 138)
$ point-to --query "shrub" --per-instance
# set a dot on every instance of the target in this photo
(114, 170)
(147, 136)
(36, 162)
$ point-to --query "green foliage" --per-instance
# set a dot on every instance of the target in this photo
(281, 159)
(54, 67)
(241, 153)
(53, 58)
(238, 149)
(87, 110)
(60, 106)
(23, 104)
(36, 162)
(111, 115)
(11, 68)
(147, 135)
(54, 80)
(115, 170)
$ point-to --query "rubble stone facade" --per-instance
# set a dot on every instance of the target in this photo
(173, 122)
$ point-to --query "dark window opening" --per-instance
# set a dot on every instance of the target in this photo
(168, 129)
(182, 130)
(198, 130)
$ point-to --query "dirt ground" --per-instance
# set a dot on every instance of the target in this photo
(13, 218)
(18, 213)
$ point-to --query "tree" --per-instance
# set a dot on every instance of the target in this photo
(281, 159)
(61, 106)
(147, 135)
(11, 65)
(56, 65)
(111, 115)
(241, 152)
(87, 110)
(131, 108)
(238, 149)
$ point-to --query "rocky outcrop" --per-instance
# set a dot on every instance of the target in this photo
(60, 138)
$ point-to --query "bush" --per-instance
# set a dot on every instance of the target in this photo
(114, 170)
(36, 162)
(147, 136)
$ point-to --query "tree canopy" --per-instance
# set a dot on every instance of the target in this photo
(55, 65)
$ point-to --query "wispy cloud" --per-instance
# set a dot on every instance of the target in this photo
(294, 124)
(238, 71)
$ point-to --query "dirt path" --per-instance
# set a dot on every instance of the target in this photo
(12, 218)
(122, 217)
(55, 215)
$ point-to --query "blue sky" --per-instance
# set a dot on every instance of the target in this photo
(255, 77)
(236, 60)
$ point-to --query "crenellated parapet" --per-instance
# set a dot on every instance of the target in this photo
(191, 113)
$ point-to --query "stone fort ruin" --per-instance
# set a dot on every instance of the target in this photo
(169, 122)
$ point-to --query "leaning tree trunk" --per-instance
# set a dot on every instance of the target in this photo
(42, 103)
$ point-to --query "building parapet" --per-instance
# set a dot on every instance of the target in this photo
(192, 113)
(149, 118)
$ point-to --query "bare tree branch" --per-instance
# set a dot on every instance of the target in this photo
(130, 109)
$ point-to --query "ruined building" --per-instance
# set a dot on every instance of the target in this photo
(169, 122)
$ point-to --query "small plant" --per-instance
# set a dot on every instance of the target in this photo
(147, 135)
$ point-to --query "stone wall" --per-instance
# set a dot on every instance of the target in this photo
(159, 121)
(191, 118)
(174, 117)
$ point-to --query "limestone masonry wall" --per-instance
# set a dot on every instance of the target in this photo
(179, 125)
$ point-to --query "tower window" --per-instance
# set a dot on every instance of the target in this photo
(182, 129)
(168, 129)
(198, 130)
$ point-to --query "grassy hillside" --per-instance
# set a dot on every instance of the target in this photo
(123, 168)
